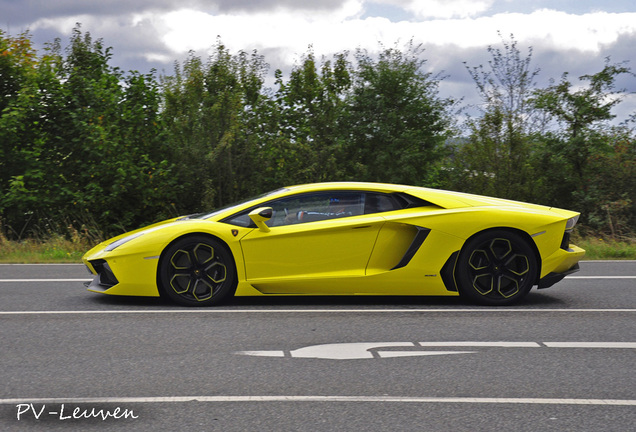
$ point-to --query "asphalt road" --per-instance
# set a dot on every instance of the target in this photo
(563, 360)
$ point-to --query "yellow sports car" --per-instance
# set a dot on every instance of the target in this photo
(344, 239)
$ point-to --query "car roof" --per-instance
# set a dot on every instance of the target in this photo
(364, 186)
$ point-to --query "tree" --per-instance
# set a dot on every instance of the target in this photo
(585, 146)
(496, 159)
(210, 112)
(612, 186)
(307, 116)
(24, 79)
(396, 123)
(81, 143)
(581, 110)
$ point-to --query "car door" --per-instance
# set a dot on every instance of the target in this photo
(314, 236)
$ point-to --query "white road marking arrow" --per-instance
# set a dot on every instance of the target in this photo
(350, 351)
(369, 350)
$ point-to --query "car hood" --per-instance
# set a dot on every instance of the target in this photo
(139, 231)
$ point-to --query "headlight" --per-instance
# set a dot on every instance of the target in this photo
(114, 245)
(569, 226)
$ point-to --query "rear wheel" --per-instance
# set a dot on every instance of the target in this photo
(496, 268)
(197, 271)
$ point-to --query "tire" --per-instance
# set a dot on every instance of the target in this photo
(197, 271)
(496, 268)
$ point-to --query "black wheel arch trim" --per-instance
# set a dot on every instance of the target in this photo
(448, 272)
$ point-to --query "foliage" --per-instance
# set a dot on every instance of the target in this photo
(396, 122)
(305, 125)
(87, 148)
(552, 145)
(496, 159)
(590, 165)
(81, 140)
(210, 112)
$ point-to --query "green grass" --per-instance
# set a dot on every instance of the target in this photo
(59, 249)
(604, 249)
(53, 250)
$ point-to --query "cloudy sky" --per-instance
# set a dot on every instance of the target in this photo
(572, 36)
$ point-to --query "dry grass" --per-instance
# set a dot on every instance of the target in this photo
(53, 248)
(598, 248)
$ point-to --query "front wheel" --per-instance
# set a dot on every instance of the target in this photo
(496, 268)
(197, 271)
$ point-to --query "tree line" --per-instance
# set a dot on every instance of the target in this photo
(87, 145)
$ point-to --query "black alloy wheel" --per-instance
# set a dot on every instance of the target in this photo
(197, 271)
(496, 268)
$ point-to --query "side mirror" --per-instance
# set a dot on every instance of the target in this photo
(260, 216)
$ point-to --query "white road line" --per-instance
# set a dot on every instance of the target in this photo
(600, 277)
(40, 264)
(45, 280)
(607, 261)
(590, 344)
(500, 344)
(390, 399)
(282, 311)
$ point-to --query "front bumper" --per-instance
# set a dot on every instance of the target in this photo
(132, 275)
(552, 278)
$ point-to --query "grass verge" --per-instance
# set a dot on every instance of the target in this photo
(607, 249)
(58, 249)
(52, 250)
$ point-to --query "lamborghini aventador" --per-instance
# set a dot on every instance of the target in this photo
(344, 239)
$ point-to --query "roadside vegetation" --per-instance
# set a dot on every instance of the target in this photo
(58, 248)
(88, 151)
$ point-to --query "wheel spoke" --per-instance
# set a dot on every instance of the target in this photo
(216, 272)
(507, 286)
(181, 260)
(483, 283)
(480, 259)
(500, 248)
(202, 290)
(181, 282)
(517, 265)
(203, 253)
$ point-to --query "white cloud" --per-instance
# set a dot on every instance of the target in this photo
(563, 41)
(291, 31)
(446, 8)
(62, 24)
(151, 34)
(343, 29)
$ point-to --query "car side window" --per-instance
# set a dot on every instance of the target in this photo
(242, 220)
(313, 207)
(378, 203)
(316, 207)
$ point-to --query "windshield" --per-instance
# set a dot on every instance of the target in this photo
(235, 205)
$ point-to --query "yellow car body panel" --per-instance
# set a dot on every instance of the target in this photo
(395, 251)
